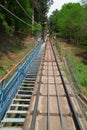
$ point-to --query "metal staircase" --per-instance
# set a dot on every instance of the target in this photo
(15, 116)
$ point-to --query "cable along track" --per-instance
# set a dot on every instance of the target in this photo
(53, 104)
(16, 113)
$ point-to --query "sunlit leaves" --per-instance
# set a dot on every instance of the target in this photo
(70, 21)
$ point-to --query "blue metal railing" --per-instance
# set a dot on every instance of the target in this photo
(9, 89)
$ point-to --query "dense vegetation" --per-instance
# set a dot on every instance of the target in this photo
(17, 19)
(76, 63)
(70, 22)
(32, 15)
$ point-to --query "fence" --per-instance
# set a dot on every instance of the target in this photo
(10, 88)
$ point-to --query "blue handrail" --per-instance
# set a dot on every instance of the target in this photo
(9, 89)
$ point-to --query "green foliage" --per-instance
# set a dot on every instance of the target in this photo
(9, 22)
(2, 71)
(40, 9)
(79, 69)
(34, 8)
(70, 22)
(54, 22)
(8, 29)
(58, 46)
(37, 28)
(1, 16)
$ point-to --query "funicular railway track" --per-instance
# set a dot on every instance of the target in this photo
(53, 105)
(48, 103)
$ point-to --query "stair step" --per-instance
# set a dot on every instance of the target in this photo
(26, 81)
(16, 112)
(25, 84)
(21, 99)
(28, 87)
(23, 95)
(11, 128)
(19, 105)
(18, 120)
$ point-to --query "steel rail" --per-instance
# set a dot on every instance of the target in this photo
(72, 108)
(58, 98)
(48, 99)
(37, 98)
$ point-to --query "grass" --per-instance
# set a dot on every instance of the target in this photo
(2, 71)
(77, 62)
(79, 69)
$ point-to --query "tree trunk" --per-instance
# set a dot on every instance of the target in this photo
(77, 41)
(70, 36)
(33, 21)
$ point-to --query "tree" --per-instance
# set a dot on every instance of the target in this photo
(11, 21)
(70, 21)
(40, 14)
(36, 9)
(53, 22)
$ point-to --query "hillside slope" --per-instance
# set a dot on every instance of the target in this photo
(12, 50)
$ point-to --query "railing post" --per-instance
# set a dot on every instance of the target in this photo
(2, 91)
(18, 82)
(26, 65)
